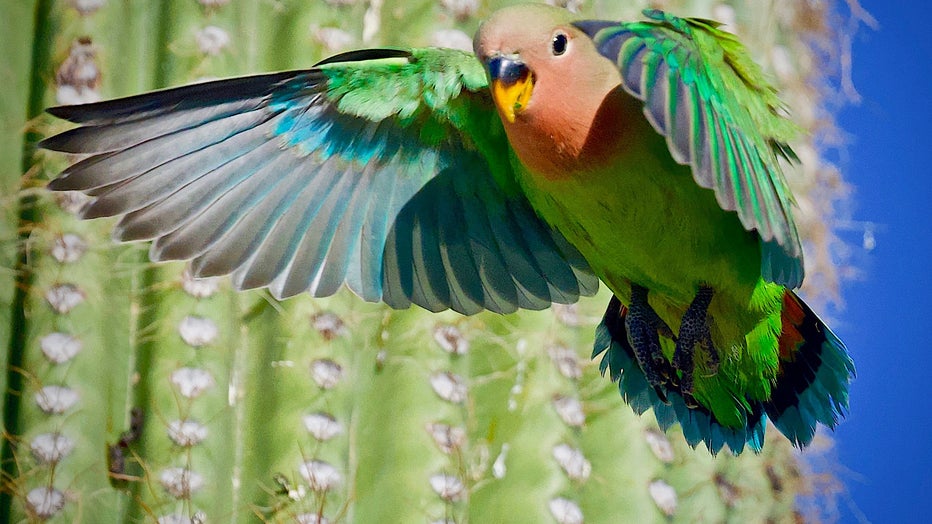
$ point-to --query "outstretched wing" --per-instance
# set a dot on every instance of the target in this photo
(719, 115)
(383, 169)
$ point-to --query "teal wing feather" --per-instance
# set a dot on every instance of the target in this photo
(719, 115)
(386, 170)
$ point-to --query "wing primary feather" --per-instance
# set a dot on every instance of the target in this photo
(120, 135)
(398, 174)
(182, 199)
(374, 232)
(243, 240)
(466, 292)
(750, 191)
(780, 224)
(741, 190)
(667, 105)
(704, 162)
(211, 221)
(560, 278)
(322, 244)
(147, 105)
(498, 287)
(724, 189)
(655, 88)
(388, 261)
(430, 289)
(529, 280)
(780, 216)
(351, 240)
(182, 174)
(279, 246)
(111, 168)
(586, 283)
(397, 267)
(683, 123)
(631, 56)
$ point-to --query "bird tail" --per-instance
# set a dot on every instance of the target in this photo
(813, 374)
(811, 385)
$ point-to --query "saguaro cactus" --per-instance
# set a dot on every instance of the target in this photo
(134, 393)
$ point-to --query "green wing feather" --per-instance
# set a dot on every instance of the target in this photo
(719, 115)
(386, 170)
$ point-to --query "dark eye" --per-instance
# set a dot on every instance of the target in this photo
(558, 44)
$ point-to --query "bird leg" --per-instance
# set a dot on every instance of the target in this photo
(694, 330)
(644, 328)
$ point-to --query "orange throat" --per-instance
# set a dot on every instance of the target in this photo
(567, 139)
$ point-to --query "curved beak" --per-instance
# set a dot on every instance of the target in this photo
(512, 84)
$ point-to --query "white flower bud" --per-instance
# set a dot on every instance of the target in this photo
(55, 400)
(565, 511)
(192, 382)
(59, 348)
(45, 502)
(181, 482)
(449, 387)
(320, 475)
(572, 461)
(664, 496)
(51, 448)
(449, 488)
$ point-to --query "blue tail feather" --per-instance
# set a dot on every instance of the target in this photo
(811, 386)
(812, 381)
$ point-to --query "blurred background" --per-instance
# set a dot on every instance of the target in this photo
(883, 456)
(134, 394)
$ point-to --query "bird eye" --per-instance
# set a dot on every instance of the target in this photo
(558, 44)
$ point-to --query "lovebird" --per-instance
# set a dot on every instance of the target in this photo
(561, 153)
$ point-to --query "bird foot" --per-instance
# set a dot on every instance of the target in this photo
(694, 329)
(644, 328)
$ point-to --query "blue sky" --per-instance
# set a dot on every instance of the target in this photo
(887, 323)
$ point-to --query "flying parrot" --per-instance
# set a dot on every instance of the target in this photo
(561, 153)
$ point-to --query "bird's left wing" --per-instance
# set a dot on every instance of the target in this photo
(384, 169)
(719, 115)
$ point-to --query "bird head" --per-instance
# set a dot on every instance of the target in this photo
(548, 82)
(534, 53)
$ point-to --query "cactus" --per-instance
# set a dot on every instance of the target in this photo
(136, 394)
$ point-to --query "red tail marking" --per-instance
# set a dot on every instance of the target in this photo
(791, 318)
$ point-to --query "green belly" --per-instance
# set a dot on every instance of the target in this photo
(646, 221)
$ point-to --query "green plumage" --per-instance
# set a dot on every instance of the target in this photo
(720, 116)
(391, 171)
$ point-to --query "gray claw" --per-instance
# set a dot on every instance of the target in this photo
(694, 330)
(644, 328)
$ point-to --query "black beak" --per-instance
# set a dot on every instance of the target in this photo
(511, 83)
(506, 70)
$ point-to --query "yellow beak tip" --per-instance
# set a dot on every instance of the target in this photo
(512, 99)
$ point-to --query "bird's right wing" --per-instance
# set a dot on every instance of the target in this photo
(383, 169)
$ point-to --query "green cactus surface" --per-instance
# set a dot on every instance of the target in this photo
(133, 393)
